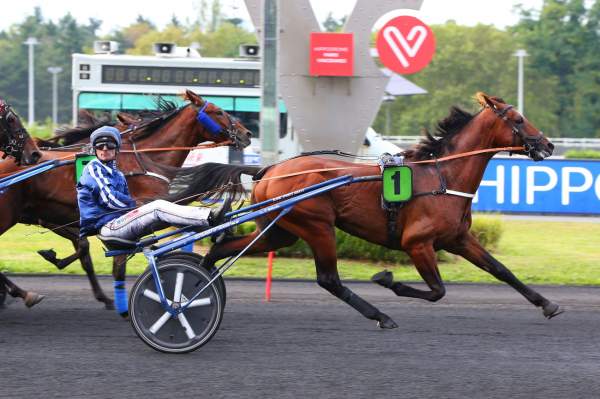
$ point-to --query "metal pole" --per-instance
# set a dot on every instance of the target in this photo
(55, 71)
(520, 54)
(32, 41)
(269, 114)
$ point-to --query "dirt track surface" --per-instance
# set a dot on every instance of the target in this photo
(480, 341)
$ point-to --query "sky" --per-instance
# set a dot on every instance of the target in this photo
(119, 13)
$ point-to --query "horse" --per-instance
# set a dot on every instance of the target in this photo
(18, 146)
(49, 199)
(437, 218)
(14, 139)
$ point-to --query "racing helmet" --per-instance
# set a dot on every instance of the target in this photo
(106, 134)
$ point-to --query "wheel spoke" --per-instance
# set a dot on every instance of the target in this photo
(186, 326)
(178, 287)
(154, 296)
(160, 322)
(198, 302)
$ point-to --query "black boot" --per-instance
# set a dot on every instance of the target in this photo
(217, 215)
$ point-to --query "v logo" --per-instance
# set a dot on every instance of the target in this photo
(394, 37)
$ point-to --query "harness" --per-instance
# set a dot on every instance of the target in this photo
(14, 144)
(530, 142)
(202, 117)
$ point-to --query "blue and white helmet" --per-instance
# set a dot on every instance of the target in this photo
(104, 134)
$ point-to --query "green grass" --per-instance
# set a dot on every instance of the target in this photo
(536, 251)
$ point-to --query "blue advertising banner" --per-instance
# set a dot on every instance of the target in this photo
(557, 186)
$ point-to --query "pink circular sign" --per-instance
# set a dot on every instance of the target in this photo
(405, 44)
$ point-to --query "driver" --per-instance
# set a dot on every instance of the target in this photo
(106, 207)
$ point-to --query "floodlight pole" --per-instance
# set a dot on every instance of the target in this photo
(520, 54)
(269, 113)
(31, 41)
(55, 71)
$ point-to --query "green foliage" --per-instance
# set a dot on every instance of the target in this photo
(487, 229)
(41, 130)
(582, 154)
(562, 71)
(57, 41)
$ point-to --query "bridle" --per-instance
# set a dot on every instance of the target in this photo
(214, 128)
(12, 141)
(530, 143)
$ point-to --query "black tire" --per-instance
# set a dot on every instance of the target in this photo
(171, 336)
(197, 259)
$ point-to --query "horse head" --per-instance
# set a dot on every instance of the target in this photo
(14, 139)
(218, 125)
(513, 129)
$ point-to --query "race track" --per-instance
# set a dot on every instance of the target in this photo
(480, 341)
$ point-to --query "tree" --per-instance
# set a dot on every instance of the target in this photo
(563, 44)
(57, 42)
(333, 25)
(468, 60)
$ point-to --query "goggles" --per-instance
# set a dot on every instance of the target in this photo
(107, 145)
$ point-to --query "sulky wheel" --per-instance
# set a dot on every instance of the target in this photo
(181, 279)
(197, 260)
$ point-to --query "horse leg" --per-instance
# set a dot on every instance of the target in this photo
(73, 236)
(29, 297)
(119, 268)
(273, 239)
(88, 266)
(424, 259)
(322, 242)
(82, 252)
(471, 250)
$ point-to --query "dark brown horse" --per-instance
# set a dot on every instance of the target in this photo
(16, 149)
(14, 139)
(50, 200)
(429, 222)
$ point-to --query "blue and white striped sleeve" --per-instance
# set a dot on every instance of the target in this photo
(109, 197)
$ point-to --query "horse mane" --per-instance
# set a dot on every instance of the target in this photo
(446, 129)
(150, 119)
(71, 135)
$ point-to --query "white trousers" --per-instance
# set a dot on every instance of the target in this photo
(153, 216)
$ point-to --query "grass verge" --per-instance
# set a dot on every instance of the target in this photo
(538, 252)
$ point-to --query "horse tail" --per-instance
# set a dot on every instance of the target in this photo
(209, 182)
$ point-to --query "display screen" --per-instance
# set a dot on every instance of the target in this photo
(119, 74)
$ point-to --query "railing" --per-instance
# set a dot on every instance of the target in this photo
(566, 141)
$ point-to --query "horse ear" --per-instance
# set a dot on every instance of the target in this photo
(193, 98)
(125, 119)
(484, 100)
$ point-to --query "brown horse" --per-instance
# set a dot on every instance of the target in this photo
(50, 199)
(14, 139)
(433, 220)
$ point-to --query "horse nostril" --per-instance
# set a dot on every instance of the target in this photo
(36, 156)
(249, 134)
(551, 146)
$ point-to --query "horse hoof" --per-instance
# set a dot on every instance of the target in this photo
(552, 310)
(384, 278)
(33, 298)
(48, 254)
(387, 323)
(124, 315)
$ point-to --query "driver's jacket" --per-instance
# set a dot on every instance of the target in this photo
(102, 195)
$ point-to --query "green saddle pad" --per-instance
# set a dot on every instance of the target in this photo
(397, 183)
(80, 162)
